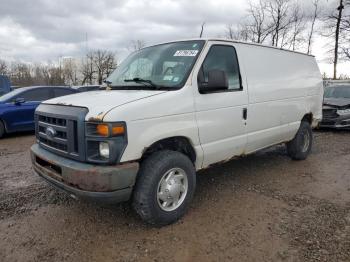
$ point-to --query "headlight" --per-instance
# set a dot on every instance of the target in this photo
(343, 112)
(105, 142)
(104, 149)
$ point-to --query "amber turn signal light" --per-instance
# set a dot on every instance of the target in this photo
(104, 130)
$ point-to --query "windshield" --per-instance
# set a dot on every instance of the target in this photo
(337, 92)
(162, 66)
(7, 97)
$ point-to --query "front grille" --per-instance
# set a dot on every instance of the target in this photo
(53, 144)
(53, 120)
(330, 113)
(60, 129)
(63, 135)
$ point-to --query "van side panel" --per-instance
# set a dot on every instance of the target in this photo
(283, 86)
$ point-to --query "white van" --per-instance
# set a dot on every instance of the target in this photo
(170, 110)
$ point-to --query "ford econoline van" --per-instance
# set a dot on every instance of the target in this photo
(170, 110)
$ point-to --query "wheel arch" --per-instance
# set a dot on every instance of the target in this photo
(309, 117)
(177, 143)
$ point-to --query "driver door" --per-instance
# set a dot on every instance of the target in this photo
(221, 115)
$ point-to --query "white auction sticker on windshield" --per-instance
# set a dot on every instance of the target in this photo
(186, 53)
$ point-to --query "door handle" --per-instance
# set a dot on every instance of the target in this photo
(245, 113)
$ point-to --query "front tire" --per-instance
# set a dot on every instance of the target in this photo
(300, 147)
(164, 188)
(2, 129)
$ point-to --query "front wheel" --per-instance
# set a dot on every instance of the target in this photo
(164, 188)
(300, 147)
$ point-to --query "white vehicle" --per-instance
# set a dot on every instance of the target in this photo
(173, 109)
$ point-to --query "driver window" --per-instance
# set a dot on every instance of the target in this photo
(222, 58)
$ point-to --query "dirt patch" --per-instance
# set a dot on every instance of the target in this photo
(322, 232)
(264, 207)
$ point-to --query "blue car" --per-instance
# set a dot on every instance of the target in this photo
(17, 107)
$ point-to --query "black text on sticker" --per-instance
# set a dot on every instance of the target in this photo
(186, 53)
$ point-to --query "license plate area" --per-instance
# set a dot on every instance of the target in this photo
(53, 170)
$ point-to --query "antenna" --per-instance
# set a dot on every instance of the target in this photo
(201, 34)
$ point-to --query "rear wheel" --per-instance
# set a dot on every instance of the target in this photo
(300, 147)
(2, 129)
(165, 187)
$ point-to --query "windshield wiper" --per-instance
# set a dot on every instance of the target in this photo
(143, 81)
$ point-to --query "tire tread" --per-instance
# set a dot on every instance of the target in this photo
(144, 206)
(294, 146)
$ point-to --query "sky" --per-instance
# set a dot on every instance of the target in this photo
(43, 30)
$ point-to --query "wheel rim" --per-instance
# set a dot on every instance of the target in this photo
(306, 141)
(172, 189)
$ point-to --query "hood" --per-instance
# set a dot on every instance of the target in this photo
(99, 103)
(337, 102)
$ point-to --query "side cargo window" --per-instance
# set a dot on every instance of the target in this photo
(224, 58)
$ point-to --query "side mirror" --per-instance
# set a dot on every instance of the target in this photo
(217, 81)
(18, 101)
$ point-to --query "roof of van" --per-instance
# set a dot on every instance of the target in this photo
(236, 41)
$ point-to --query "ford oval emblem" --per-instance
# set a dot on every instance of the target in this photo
(50, 132)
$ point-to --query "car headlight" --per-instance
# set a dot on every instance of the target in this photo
(343, 112)
(104, 149)
(105, 142)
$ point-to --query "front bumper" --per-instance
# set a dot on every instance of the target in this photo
(337, 123)
(108, 184)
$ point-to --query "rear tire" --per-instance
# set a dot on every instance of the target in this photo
(164, 188)
(2, 129)
(300, 147)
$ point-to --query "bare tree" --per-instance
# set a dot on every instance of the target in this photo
(136, 45)
(21, 74)
(337, 33)
(70, 71)
(230, 31)
(104, 62)
(333, 24)
(258, 21)
(315, 15)
(98, 65)
(56, 78)
(40, 75)
(88, 69)
(280, 23)
(345, 28)
(99, 59)
(111, 64)
(280, 20)
(298, 27)
(3, 67)
(240, 32)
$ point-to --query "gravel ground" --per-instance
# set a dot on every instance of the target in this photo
(264, 207)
